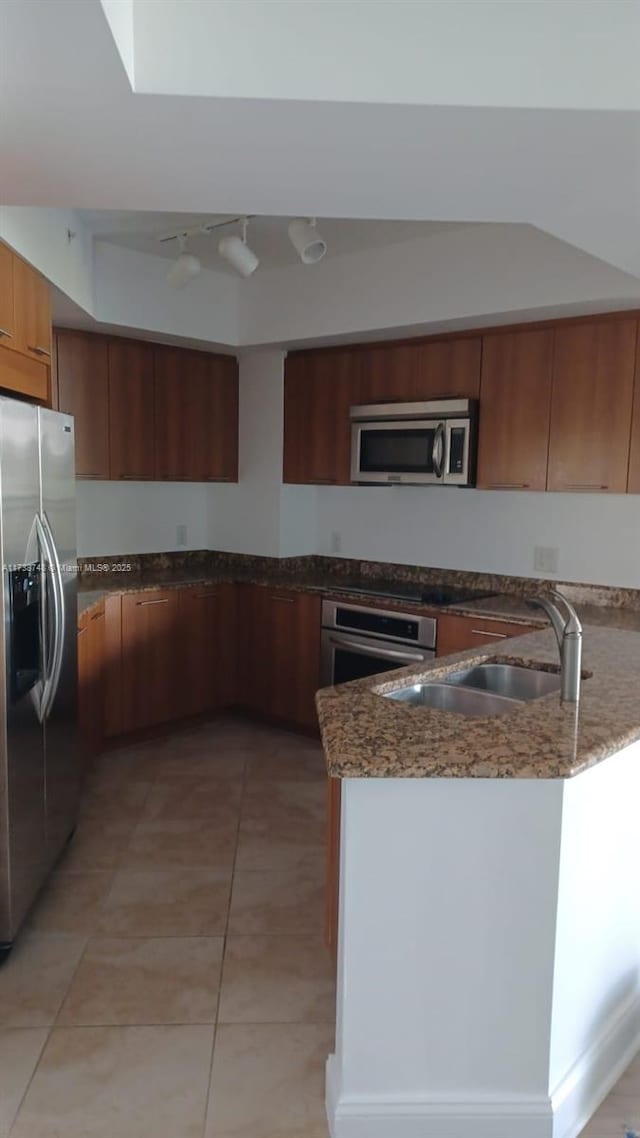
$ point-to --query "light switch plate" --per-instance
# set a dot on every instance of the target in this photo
(546, 558)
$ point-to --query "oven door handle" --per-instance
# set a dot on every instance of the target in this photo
(381, 653)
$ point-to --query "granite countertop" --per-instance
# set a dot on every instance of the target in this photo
(367, 736)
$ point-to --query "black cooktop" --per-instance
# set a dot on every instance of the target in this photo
(436, 595)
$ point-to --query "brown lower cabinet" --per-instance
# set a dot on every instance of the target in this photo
(280, 638)
(91, 701)
(168, 654)
(149, 673)
(207, 648)
(457, 633)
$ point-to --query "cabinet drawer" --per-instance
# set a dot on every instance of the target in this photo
(457, 633)
(24, 375)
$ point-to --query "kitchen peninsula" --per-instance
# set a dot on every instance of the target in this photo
(489, 939)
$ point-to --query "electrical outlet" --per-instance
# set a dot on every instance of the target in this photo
(546, 558)
(336, 541)
(181, 536)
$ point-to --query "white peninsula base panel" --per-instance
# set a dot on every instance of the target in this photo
(489, 953)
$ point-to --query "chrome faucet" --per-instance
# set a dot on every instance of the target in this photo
(568, 630)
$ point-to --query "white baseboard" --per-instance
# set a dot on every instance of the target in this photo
(563, 1115)
(589, 1080)
(433, 1117)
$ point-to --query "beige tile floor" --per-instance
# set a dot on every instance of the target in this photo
(172, 981)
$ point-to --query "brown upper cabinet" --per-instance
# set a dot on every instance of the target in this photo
(196, 416)
(131, 401)
(389, 373)
(449, 369)
(83, 391)
(593, 372)
(7, 316)
(144, 411)
(25, 329)
(515, 400)
(633, 484)
(415, 372)
(32, 312)
(319, 389)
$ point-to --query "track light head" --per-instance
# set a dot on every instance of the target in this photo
(235, 250)
(306, 240)
(185, 268)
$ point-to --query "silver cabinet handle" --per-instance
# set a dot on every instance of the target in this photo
(494, 635)
(283, 600)
(205, 596)
(507, 485)
(158, 601)
(6, 333)
(582, 486)
(38, 350)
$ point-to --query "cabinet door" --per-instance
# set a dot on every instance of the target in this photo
(83, 392)
(515, 410)
(457, 633)
(319, 389)
(389, 373)
(7, 322)
(131, 410)
(213, 420)
(633, 484)
(112, 667)
(280, 653)
(207, 647)
(32, 308)
(449, 369)
(150, 678)
(592, 394)
(91, 690)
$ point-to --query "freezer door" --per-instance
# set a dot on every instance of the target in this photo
(23, 854)
(58, 514)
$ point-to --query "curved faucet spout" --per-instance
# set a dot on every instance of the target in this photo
(568, 629)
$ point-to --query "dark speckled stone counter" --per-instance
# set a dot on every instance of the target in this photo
(368, 736)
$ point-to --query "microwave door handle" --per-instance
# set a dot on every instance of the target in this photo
(381, 653)
(437, 453)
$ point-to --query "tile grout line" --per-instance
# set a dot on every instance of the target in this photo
(224, 946)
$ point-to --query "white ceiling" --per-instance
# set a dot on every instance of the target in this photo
(559, 148)
(267, 236)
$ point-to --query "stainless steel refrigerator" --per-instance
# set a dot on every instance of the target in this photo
(39, 758)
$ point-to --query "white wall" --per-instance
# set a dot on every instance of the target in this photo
(41, 237)
(259, 515)
(597, 535)
(131, 291)
(139, 517)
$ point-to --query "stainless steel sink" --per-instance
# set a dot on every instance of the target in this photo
(485, 689)
(508, 680)
(450, 697)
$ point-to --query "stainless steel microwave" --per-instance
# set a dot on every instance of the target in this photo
(421, 443)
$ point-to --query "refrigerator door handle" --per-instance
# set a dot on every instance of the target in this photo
(40, 693)
(58, 617)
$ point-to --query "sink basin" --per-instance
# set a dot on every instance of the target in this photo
(507, 680)
(450, 697)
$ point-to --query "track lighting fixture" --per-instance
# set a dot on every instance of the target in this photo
(235, 250)
(306, 240)
(185, 267)
(303, 234)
